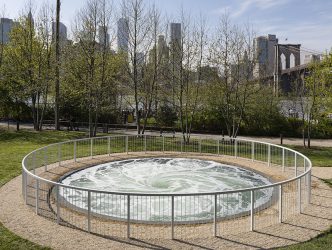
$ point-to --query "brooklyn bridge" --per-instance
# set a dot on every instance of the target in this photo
(281, 64)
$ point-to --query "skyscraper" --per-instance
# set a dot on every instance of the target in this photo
(30, 18)
(103, 36)
(140, 57)
(265, 55)
(175, 47)
(162, 49)
(6, 26)
(62, 31)
(175, 33)
(123, 34)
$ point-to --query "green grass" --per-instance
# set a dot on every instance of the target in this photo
(15, 145)
(9, 241)
(320, 156)
(321, 242)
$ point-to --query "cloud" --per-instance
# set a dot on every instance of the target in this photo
(312, 34)
(244, 6)
(310, 25)
(240, 7)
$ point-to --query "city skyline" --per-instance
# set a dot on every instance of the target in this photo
(307, 23)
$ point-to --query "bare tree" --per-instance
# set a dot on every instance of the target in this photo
(57, 66)
(92, 61)
(103, 58)
(152, 77)
(139, 29)
(232, 53)
(44, 60)
(187, 62)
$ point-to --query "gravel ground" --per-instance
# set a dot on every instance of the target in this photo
(315, 218)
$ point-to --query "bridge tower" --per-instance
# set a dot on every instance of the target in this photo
(286, 52)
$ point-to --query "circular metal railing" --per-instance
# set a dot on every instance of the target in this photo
(46, 195)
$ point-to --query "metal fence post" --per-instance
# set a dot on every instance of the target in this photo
(57, 204)
(218, 147)
(295, 164)
(309, 187)
(172, 222)
(269, 155)
(75, 146)
(163, 144)
(144, 143)
(305, 169)
(34, 162)
(89, 211)
(37, 196)
(59, 154)
(181, 144)
(91, 147)
(252, 200)
(280, 204)
(23, 183)
(200, 145)
(299, 198)
(128, 216)
(252, 151)
(235, 148)
(127, 144)
(45, 158)
(26, 188)
(283, 159)
(109, 145)
(215, 216)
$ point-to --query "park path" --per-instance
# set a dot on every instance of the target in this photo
(274, 140)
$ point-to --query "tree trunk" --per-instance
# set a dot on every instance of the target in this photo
(17, 124)
(33, 109)
(96, 122)
(57, 64)
(309, 136)
(90, 122)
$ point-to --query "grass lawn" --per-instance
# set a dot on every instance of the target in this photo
(320, 156)
(15, 145)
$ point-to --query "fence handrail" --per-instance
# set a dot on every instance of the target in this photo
(308, 170)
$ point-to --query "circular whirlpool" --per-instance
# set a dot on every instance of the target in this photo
(152, 182)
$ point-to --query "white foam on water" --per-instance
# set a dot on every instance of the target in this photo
(165, 175)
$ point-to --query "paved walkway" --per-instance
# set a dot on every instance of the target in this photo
(322, 172)
(274, 140)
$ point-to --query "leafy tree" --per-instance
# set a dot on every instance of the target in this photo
(166, 116)
(318, 89)
(232, 53)
(26, 66)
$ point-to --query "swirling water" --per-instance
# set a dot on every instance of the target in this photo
(165, 176)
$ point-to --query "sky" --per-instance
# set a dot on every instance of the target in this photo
(308, 22)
